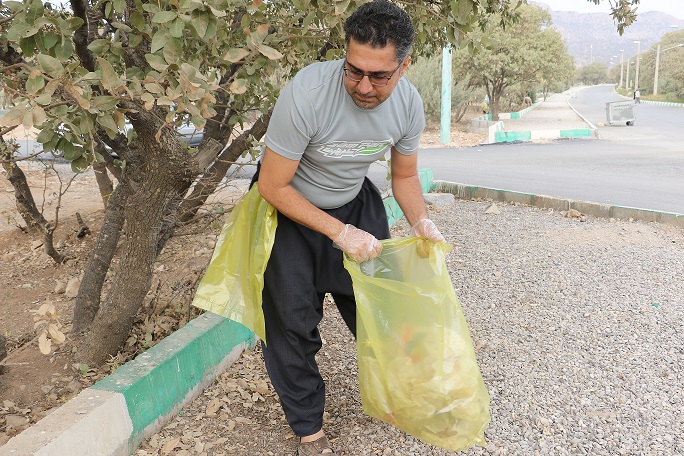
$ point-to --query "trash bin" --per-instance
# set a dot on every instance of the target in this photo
(621, 112)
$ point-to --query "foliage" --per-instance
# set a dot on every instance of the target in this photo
(527, 52)
(592, 74)
(670, 69)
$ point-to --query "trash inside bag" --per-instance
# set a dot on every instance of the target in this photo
(417, 365)
(233, 283)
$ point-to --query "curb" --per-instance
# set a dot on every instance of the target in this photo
(513, 136)
(463, 191)
(115, 415)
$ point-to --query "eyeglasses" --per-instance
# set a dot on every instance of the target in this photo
(357, 75)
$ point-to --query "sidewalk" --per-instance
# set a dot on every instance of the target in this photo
(552, 118)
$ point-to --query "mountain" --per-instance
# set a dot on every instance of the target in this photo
(593, 37)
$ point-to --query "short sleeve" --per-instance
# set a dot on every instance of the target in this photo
(291, 125)
(409, 143)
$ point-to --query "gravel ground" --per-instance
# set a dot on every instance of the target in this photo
(577, 324)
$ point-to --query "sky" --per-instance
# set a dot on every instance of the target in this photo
(672, 7)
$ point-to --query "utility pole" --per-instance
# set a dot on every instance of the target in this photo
(622, 65)
(636, 78)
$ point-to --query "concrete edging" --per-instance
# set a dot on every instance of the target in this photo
(116, 414)
(463, 191)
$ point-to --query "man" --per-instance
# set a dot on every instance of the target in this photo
(329, 124)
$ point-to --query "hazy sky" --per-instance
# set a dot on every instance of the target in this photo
(672, 7)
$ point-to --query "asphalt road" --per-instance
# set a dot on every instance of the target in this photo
(640, 166)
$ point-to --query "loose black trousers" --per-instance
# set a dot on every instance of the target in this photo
(303, 267)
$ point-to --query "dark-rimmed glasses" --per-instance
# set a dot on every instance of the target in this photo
(374, 78)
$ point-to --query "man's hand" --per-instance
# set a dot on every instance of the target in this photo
(358, 244)
(426, 228)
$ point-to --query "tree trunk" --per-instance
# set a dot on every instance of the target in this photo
(104, 183)
(162, 177)
(89, 294)
(29, 211)
(211, 179)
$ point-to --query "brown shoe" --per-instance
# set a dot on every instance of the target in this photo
(315, 448)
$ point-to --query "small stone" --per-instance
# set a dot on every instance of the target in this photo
(493, 209)
(72, 287)
(60, 287)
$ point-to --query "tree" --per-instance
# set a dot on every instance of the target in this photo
(670, 68)
(425, 75)
(82, 74)
(525, 52)
(592, 74)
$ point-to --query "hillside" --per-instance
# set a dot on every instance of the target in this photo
(593, 37)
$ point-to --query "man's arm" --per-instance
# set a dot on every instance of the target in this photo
(406, 187)
(274, 185)
(407, 191)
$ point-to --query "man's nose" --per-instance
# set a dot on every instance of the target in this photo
(365, 85)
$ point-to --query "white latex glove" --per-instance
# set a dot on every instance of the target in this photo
(426, 228)
(358, 244)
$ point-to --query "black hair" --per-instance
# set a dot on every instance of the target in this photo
(378, 23)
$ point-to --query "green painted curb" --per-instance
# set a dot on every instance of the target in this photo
(155, 382)
(511, 136)
(576, 133)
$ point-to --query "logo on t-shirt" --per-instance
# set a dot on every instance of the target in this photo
(339, 149)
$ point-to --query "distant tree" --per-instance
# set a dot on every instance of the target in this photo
(426, 75)
(592, 74)
(525, 52)
(670, 69)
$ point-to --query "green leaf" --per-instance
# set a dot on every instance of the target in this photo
(50, 39)
(99, 46)
(64, 49)
(110, 80)
(162, 17)
(176, 28)
(35, 82)
(157, 62)
(45, 135)
(27, 46)
(173, 51)
(13, 117)
(108, 123)
(138, 21)
(104, 103)
(269, 52)
(71, 151)
(35, 12)
(159, 40)
(235, 55)
(80, 165)
(200, 22)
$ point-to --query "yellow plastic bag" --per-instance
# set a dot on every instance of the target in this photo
(417, 365)
(234, 280)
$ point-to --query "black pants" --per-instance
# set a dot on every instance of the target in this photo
(303, 267)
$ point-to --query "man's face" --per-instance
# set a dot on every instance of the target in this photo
(379, 62)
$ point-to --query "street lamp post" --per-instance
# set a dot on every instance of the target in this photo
(657, 64)
(622, 64)
(627, 78)
(636, 77)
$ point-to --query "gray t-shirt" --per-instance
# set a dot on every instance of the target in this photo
(316, 121)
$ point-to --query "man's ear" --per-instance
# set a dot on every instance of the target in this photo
(405, 65)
